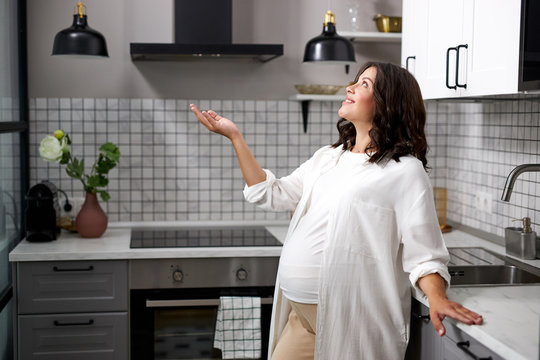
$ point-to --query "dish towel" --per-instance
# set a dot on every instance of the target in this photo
(238, 327)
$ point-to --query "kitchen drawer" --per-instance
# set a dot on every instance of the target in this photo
(458, 345)
(72, 286)
(73, 336)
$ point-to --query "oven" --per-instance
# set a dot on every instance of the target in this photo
(174, 302)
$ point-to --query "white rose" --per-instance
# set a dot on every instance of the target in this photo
(51, 148)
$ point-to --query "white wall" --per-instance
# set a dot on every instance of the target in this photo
(290, 22)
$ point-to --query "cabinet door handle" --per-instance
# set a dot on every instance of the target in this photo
(448, 66)
(464, 346)
(457, 66)
(58, 323)
(407, 61)
(421, 317)
(90, 268)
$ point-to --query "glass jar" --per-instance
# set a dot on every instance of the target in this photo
(353, 7)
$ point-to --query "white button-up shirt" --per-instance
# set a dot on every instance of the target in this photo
(382, 230)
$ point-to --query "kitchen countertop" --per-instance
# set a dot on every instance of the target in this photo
(511, 313)
(114, 244)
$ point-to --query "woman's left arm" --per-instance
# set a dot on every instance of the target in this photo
(434, 286)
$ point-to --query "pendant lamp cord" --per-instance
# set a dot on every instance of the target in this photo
(330, 5)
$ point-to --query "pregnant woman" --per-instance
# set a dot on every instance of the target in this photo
(364, 229)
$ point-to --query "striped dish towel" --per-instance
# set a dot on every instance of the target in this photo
(238, 327)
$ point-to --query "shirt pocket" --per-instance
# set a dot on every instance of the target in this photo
(369, 230)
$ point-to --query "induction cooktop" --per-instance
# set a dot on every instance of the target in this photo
(202, 237)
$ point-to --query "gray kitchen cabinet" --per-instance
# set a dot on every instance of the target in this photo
(458, 345)
(72, 310)
(424, 343)
(74, 336)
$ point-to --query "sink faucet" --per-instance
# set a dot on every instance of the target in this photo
(518, 170)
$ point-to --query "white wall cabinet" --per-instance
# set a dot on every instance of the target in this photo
(462, 47)
(414, 25)
(493, 32)
(444, 33)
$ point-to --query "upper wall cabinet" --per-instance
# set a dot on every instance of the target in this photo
(466, 48)
(414, 25)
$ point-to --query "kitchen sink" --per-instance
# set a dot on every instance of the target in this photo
(481, 267)
(491, 275)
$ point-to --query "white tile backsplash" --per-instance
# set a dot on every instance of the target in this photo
(172, 168)
(484, 142)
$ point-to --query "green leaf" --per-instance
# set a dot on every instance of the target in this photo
(111, 151)
(75, 168)
(96, 181)
(65, 156)
(104, 195)
(104, 165)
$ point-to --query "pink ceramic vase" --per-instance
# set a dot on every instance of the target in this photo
(91, 221)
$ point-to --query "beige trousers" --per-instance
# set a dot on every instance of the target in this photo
(297, 341)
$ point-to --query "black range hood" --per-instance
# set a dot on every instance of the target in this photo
(189, 52)
(203, 30)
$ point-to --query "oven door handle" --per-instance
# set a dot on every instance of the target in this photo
(192, 302)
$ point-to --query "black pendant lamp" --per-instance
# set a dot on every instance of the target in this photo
(80, 39)
(329, 46)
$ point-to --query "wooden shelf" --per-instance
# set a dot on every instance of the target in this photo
(379, 37)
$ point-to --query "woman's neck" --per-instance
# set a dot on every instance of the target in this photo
(362, 138)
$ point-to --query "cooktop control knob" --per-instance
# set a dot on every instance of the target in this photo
(178, 276)
(241, 274)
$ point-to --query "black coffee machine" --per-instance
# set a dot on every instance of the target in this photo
(42, 212)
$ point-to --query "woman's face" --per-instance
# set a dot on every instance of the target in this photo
(359, 105)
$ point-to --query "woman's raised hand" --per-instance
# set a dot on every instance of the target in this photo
(215, 122)
(252, 171)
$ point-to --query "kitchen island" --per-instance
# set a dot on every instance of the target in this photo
(511, 313)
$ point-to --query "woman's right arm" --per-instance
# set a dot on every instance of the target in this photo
(252, 171)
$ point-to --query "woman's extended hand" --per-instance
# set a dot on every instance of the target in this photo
(252, 171)
(215, 122)
(434, 286)
(439, 308)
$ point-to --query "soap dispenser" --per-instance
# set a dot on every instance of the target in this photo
(521, 242)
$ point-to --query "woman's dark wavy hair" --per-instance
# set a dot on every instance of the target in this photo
(399, 120)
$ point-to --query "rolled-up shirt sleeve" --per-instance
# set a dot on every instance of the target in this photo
(424, 251)
(280, 194)
(275, 194)
(257, 193)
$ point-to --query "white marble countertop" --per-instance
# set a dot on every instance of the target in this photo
(114, 244)
(511, 313)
